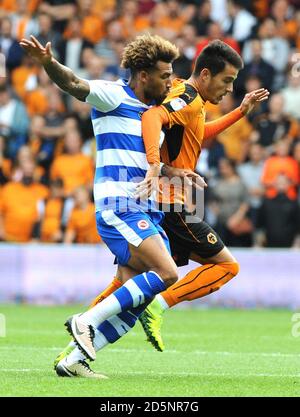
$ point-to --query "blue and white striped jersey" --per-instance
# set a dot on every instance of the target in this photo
(121, 157)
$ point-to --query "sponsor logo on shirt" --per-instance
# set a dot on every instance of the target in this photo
(212, 238)
(143, 225)
(177, 104)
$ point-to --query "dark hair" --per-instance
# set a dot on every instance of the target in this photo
(215, 56)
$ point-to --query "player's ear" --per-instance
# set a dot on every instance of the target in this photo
(143, 76)
(205, 74)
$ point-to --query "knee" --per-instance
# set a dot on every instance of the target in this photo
(170, 281)
(168, 275)
(233, 268)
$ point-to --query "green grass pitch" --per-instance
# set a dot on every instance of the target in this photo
(213, 352)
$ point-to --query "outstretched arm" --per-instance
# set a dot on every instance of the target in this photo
(249, 102)
(61, 75)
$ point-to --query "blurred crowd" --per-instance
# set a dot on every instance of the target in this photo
(47, 149)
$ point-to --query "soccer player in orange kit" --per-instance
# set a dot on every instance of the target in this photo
(182, 112)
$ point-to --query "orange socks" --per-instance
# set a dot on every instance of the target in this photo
(200, 282)
(196, 284)
(113, 286)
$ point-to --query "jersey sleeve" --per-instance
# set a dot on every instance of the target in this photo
(215, 127)
(104, 95)
(176, 110)
(152, 123)
(181, 109)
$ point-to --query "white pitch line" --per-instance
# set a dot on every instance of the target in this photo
(167, 351)
(23, 370)
(170, 374)
(29, 348)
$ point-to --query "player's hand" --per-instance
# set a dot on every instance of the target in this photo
(36, 50)
(252, 99)
(150, 185)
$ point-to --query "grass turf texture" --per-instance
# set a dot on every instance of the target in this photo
(212, 352)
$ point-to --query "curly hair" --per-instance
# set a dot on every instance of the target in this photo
(144, 52)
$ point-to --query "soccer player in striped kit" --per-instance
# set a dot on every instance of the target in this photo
(130, 228)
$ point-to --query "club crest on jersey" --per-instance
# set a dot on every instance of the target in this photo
(212, 238)
(143, 225)
(177, 104)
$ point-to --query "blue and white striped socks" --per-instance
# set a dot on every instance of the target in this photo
(132, 294)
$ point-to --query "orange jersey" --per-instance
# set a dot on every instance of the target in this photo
(19, 207)
(186, 117)
(75, 170)
(275, 166)
(183, 114)
(51, 223)
(83, 223)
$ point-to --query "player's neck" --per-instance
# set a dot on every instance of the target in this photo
(197, 85)
(138, 91)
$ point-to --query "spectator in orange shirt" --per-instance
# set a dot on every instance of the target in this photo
(92, 28)
(24, 156)
(51, 224)
(11, 5)
(19, 206)
(73, 166)
(284, 17)
(24, 77)
(23, 23)
(176, 16)
(81, 227)
(132, 22)
(36, 100)
(281, 164)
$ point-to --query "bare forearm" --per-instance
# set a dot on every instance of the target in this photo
(66, 79)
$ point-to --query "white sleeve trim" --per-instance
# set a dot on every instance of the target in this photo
(104, 95)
